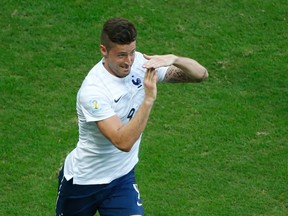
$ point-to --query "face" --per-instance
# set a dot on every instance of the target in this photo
(119, 59)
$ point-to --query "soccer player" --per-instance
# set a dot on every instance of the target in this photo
(113, 106)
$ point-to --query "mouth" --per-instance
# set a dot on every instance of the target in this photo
(126, 68)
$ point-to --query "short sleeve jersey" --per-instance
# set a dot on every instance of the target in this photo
(95, 160)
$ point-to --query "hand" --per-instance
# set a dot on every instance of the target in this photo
(150, 81)
(157, 61)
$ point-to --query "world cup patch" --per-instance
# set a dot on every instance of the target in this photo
(94, 105)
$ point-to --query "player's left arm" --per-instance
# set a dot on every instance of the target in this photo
(181, 69)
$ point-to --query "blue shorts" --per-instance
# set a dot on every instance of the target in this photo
(121, 197)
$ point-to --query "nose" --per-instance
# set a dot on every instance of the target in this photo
(129, 59)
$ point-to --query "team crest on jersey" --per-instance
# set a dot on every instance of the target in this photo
(136, 82)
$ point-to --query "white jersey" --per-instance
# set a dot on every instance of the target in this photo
(95, 160)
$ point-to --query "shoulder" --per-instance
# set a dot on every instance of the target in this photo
(137, 67)
(139, 58)
(93, 85)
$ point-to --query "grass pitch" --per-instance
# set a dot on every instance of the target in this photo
(215, 148)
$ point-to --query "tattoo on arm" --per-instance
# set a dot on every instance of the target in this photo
(175, 74)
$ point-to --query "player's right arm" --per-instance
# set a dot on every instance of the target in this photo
(123, 136)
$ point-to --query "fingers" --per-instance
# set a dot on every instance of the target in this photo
(154, 62)
(147, 56)
(151, 74)
(157, 61)
(149, 64)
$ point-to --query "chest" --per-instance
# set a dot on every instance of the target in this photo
(127, 97)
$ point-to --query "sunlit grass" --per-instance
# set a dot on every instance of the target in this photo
(214, 148)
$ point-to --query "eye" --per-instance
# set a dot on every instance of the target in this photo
(122, 55)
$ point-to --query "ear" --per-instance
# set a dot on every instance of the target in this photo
(103, 50)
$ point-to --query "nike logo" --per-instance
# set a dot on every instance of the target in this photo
(116, 100)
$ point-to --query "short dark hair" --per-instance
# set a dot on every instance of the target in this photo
(119, 31)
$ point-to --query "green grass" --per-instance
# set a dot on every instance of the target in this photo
(215, 148)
